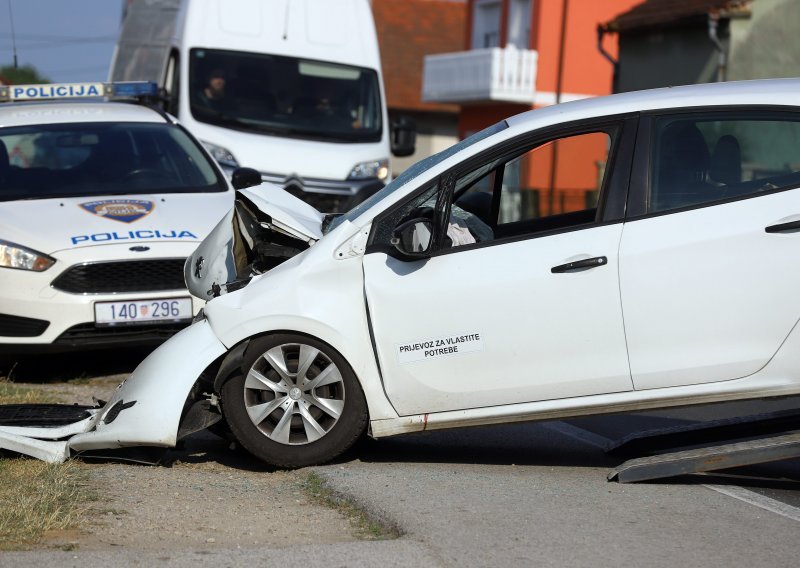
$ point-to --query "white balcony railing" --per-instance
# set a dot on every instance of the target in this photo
(494, 74)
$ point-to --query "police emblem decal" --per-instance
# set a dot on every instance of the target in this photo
(124, 210)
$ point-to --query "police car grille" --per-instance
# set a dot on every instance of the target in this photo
(127, 276)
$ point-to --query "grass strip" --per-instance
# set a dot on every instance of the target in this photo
(366, 526)
(37, 497)
(14, 394)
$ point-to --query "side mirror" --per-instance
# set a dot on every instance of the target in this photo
(245, 177)
(404, 136)
(414, 238)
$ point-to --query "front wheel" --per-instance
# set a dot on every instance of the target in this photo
(296, 402)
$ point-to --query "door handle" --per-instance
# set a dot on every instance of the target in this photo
(790, 227)
(580, 265)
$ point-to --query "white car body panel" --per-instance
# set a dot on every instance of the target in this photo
(312, 293)
(71, 112)
(54, 432)
(54, 225)
(73, 232)
(694, 312)
(159, 386)
(30, 294)
(532, 351)
(213, 262)
(328, 292)
(778, 378)
(45, 450)
(287, 212)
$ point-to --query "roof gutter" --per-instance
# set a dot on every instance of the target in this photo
(601, 32)
(722, 54)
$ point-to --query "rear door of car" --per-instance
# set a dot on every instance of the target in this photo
(709, 276)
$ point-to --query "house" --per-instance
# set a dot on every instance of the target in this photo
(407, 31)
(678, 42)
(519, 55)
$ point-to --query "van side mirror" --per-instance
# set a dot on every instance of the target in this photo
(245, 177)
(414, 238)
(404, 136)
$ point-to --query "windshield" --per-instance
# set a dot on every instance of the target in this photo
(413, 172)
(285, 96)
(66, 160)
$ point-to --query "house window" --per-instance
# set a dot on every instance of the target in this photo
(486, 24)
(519, 24)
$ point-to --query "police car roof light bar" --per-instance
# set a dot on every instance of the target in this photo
(55, 91)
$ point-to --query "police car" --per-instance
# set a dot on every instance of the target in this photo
(101, 201)
(655, 267)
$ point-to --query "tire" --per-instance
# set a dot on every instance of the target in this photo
(296, 403)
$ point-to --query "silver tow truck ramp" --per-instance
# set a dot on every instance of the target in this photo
(708, 446)
(750, 452)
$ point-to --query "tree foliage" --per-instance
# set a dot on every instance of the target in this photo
(25, 75)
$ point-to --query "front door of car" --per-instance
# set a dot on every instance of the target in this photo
(708, 271)
(520, 302)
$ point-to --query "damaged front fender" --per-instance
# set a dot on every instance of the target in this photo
(145, 410)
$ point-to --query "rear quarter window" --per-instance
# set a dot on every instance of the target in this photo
(703, 159)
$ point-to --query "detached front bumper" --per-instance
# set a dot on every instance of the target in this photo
(145, 410)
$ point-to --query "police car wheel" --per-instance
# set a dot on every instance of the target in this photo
(296, 402)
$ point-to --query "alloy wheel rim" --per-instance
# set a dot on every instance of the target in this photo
(294, 394)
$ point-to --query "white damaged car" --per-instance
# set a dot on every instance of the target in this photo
(653, 268)
(101, 202)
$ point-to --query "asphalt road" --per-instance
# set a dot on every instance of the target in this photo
(537, 494)
(529, 494)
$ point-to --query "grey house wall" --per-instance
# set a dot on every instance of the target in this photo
(765, 44)
(666, 57)
(768, 43)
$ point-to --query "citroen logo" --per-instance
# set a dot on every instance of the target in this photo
(293, 180)
(198, 266)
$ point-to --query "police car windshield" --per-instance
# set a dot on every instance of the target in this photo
(84, 159)
(285, 96)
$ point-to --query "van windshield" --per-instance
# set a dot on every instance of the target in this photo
(285, 96)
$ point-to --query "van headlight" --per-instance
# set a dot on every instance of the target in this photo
(223, 156)
(372, 169)
(15, 256)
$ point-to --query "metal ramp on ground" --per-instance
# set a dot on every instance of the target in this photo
(708, 446)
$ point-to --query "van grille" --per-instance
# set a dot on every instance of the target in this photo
(124, 276)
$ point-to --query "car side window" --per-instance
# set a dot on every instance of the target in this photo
(702, 159)
(552, 185)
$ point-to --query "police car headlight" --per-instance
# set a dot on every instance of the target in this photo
(15, 256)
(222, 155)
(372, 169)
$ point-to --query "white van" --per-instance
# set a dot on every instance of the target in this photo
(291, 88)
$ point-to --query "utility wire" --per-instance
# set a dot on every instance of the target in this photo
(50, 37)
(13, 38)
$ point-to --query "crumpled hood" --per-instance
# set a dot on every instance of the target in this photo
(287, 211)
(53, 225)
(266, 226)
